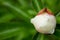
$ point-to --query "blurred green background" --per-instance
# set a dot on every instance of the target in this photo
(15, 18)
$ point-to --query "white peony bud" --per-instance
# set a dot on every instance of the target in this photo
(44, 22)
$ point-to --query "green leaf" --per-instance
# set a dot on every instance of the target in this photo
(20, 12)
(58, 14)
(6, 18)
(36, 5)
(53, 5)
(58, 19)
(32, 13)
(22, 29)
(9, 33)
(57, 33)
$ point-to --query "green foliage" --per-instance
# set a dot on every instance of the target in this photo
(15, 18)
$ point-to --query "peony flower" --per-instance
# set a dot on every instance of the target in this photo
(44, 21)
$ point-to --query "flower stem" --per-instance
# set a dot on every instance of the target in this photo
(42, 37)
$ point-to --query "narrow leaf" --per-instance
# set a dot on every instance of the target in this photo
(6, 18)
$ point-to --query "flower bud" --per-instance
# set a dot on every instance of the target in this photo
(44, 22)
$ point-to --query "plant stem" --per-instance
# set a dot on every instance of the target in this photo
(35, 36)
(42, 37)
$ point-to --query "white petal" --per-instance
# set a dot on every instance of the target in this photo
(44, 23)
